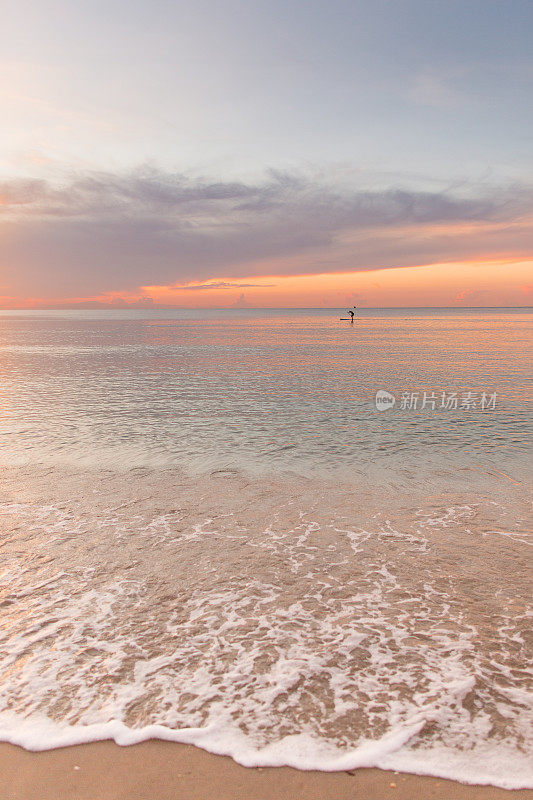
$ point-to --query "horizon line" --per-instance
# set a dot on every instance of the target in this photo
(109, 307)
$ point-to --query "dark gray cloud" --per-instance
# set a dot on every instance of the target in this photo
(114, 232)
(195, 287)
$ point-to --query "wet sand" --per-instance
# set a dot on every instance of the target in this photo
(156, 770)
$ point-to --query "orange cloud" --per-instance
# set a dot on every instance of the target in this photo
(468, 296)
(101, 234)
(497, 282)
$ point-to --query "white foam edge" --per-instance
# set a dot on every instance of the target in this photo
(494, 765)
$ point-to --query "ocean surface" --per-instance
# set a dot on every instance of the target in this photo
(210, 533)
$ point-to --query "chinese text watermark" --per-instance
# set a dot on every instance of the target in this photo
(436, 401)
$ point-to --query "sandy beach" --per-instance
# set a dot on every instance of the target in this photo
(156, 770)
(266, 298)
(314, 584)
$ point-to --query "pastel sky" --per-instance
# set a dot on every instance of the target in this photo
(266, 153)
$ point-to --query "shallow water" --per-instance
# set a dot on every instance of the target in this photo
(210, 534)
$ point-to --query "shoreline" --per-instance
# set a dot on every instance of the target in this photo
(159, 770)
(158, 558)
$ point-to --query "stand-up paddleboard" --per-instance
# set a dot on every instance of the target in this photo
(350, 318)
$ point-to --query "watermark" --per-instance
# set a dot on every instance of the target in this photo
(384, 400)
(436, 401)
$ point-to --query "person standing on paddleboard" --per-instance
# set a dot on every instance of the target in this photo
(352, 313)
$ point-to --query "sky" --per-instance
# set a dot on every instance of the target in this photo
(236, 153)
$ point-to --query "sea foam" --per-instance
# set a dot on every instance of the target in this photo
(266, 622)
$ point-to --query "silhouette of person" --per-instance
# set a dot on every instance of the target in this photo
(351, 313)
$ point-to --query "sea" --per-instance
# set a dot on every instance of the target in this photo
(270, 533)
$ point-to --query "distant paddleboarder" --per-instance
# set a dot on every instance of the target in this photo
(351, 313)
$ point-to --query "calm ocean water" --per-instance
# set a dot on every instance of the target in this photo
(211, 534)
(267, 391)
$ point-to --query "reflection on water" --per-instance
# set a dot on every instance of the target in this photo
(341, 587)
(265, 391)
